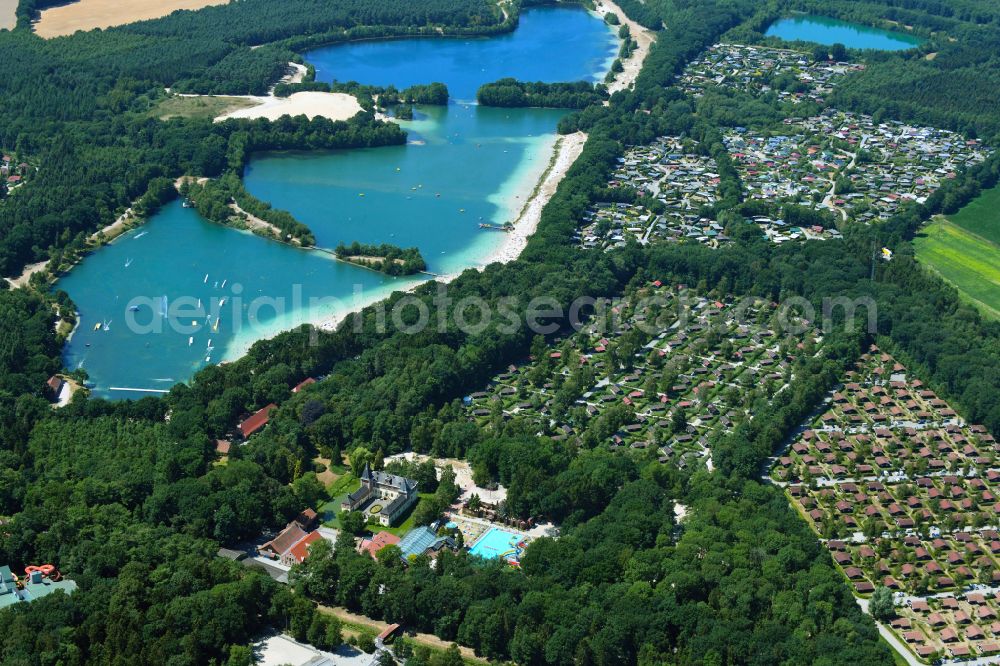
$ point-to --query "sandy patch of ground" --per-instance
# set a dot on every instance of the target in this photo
(463, 477)
(335, 106)
(90, 14)
(29, 270)
(8, 14)
(643, 37)
(328, 476)
(296, 73)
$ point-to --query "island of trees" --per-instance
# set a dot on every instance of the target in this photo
(510, 92)
(385, 258)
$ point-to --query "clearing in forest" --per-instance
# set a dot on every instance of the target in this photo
(969, 261)
(90, 14)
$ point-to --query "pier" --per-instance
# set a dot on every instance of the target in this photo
(506, 226)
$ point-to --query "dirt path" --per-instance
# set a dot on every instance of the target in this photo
(254, 222)
(428, 640)
(644, 37)
(116, 228)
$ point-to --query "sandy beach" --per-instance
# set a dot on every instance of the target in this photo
(8, 14)
(568, 148)
(90, 14)
(335, 106)
(643, 37)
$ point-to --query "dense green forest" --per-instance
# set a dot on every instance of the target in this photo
(386, 258)
(130, 505)
(514, 93)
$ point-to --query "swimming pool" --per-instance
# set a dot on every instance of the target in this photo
(499, 543)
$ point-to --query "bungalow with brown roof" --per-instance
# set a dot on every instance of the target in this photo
(257, 421)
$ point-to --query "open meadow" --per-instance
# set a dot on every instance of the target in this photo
(967, 260)
(981, 216)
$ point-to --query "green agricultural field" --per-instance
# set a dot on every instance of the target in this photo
(981, 216)
(966, 260)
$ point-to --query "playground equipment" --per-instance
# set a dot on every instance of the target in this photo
(36, 573)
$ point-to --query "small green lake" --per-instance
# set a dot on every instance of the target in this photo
(825, 30)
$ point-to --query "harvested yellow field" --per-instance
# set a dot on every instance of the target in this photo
(90, 14)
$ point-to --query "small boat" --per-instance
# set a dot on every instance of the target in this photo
(208, 359)
(163, 306)
(361, 194)
(215, 285)
(210, 343)
(107, 325)
(222, 302)
(215, 326)
(224, 283)
(140, 235)
(190, 341)
(194, 323)
(199, 303)
(97, 326)
(134, 308)
(206, 279)
(128, 262)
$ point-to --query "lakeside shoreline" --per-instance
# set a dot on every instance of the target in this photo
(521, 200)
(644, 39)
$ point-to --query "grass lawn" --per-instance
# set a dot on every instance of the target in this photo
(968, 261)
(339, 490)
(981, 216)
(407, 524)
(197, 107)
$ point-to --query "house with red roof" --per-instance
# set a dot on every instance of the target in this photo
(256, 421)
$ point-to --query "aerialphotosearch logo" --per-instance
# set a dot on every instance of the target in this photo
(412, 314)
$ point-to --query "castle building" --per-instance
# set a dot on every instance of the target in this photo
(384, 496)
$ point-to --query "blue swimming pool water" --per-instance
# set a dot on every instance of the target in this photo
(496, 543)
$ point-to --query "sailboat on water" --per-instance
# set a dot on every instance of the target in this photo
(128, 262)
(163, 305)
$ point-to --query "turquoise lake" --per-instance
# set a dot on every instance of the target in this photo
(222, 289)
(825, 30)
